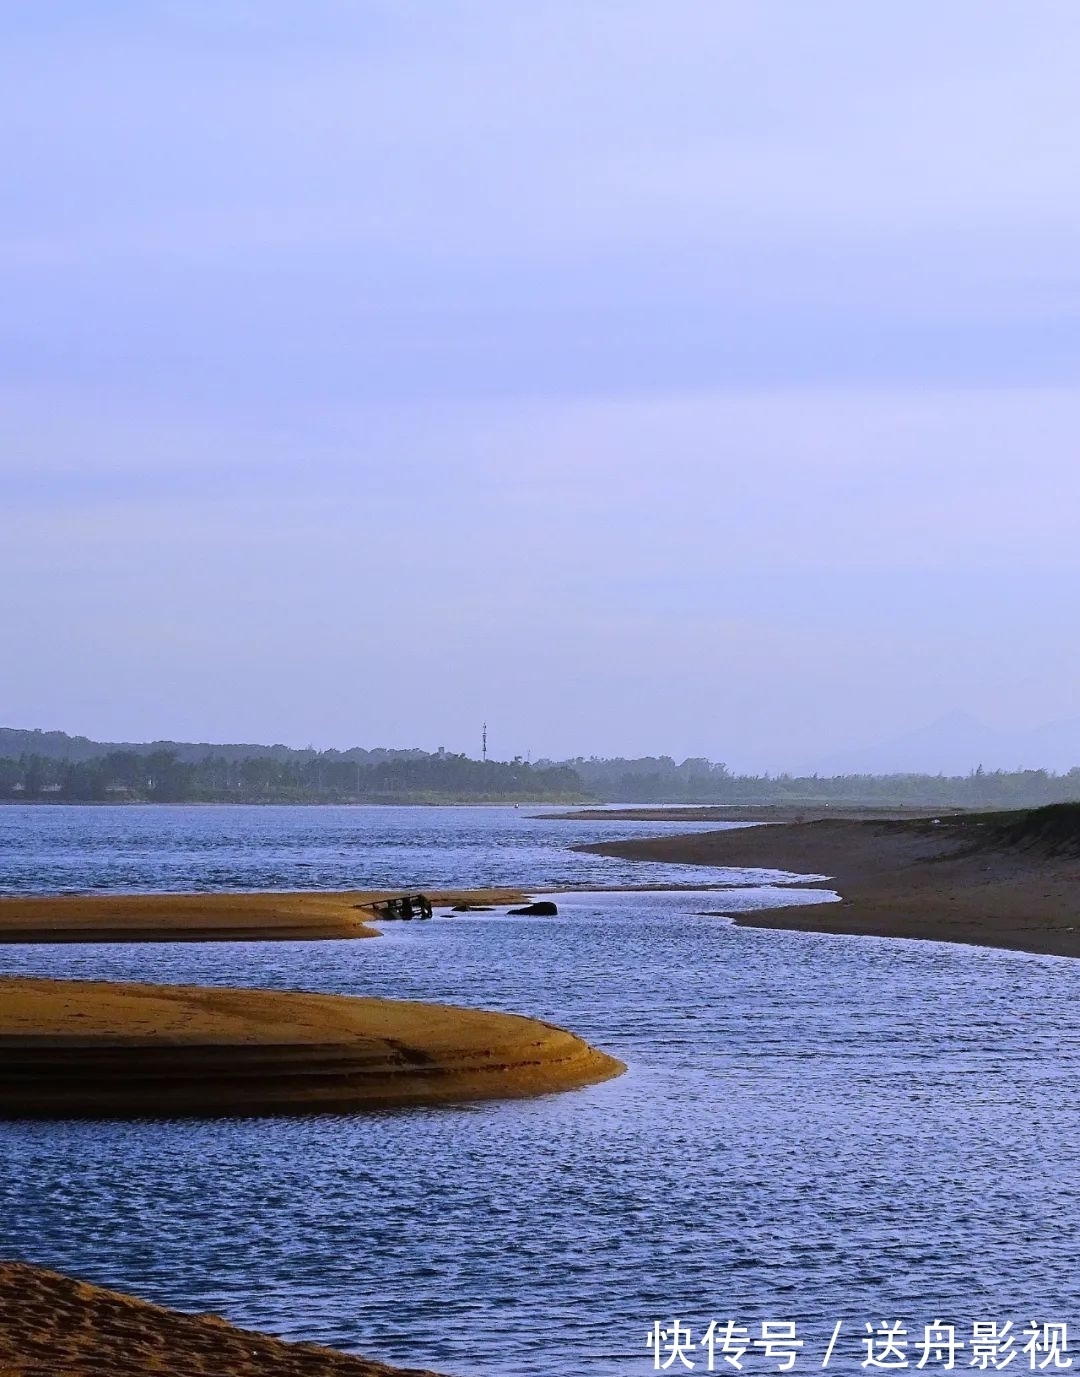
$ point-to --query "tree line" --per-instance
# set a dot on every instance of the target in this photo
(414, 776)
(309, 777)
(661, 780)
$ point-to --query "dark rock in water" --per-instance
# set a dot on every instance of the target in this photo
(544, 909)
(471, 908)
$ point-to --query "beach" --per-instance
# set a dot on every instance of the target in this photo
(743, 812)
(219, 917)
(949, 878)
(53, 1324)
(97, 1049)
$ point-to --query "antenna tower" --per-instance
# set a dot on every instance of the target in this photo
(483, 748)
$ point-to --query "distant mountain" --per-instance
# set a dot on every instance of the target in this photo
(958, 743)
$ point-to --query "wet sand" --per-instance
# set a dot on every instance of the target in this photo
(743, 812)
(54, 1326)
(261, 917)
(96, 1049)
(956, 880)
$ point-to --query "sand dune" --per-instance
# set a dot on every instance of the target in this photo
(207, 917)
(94, 1049)
(55, 1326)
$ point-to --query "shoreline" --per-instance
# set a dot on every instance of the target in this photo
(102, 1049)
(244, 916)
(53, 1323)
(744, 813)
(938, 877)
(384, 802)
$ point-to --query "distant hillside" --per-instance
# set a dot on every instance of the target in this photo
(83, 771)
(15, 742)
(52, 767)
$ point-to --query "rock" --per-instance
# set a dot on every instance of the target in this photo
(544, 909)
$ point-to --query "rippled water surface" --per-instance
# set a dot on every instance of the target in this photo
(811, 1129)
(55, 849)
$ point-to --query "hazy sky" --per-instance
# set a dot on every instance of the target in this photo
(640, 377)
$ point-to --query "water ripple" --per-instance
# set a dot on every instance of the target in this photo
(811, 1128)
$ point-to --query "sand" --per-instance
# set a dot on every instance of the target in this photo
(742, 812)
(55, 1326)
(95, 1049)
(946, 881)
(259, 917)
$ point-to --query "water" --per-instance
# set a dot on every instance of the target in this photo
(171, 849)
(811, 1129)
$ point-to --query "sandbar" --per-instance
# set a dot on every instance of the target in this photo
(742, 812)
(53, 1324)
(251, 917)
(94, 1049)
(993, 879)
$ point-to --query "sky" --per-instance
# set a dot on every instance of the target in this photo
(635, 377)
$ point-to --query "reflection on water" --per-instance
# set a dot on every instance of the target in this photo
(812, 1128)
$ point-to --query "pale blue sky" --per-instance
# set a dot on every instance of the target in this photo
(673, 377)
